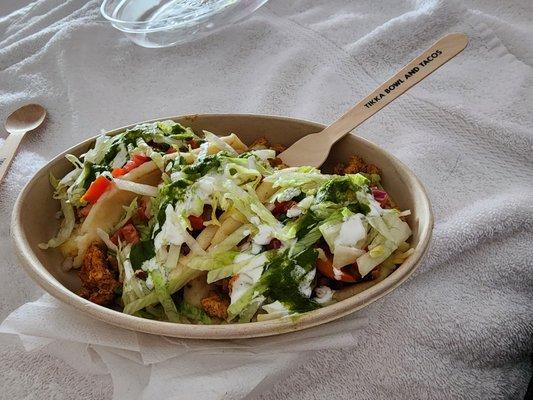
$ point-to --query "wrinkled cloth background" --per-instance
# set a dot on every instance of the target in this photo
(462, 326)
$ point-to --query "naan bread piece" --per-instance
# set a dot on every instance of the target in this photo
(106, 212)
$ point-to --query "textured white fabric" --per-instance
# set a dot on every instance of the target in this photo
(461, 326)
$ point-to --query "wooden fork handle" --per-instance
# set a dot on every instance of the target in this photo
(8, 150)
(430, 60)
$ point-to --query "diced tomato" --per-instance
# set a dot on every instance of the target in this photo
(142, 210)
(133, 163)
(118, 172)
(171, 150)
(96, 189)
(194, 144)
(128, 233)
(282, 207)
(274, 244)
(326, 268)
(380, 195)
(197, 223)
(115, 237)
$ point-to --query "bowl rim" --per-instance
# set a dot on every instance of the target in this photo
(50, 284)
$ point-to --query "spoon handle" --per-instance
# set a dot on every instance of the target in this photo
(8, 150)
(435, 56)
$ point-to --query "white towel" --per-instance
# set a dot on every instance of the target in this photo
(459, 328)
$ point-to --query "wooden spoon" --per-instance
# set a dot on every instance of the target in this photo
(314, 149)
(19, 123)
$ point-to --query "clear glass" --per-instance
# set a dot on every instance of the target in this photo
(162, 23)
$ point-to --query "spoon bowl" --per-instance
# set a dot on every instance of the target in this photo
(25, 119)
(20, 122)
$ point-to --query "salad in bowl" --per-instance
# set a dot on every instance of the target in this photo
(166, 224)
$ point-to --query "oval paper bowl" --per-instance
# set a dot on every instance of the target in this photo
(33, 222)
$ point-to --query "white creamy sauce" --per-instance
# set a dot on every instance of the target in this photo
(246, 279)
(150, 265)
(204, 148)
(171, 232)
(305, 284)
(264, 235)
(288, 194)
(294, 211)
(323, 294)
(352, 231)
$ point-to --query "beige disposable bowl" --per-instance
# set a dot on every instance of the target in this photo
(33, 222)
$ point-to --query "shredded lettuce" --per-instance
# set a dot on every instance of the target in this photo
(249, 311)
(128, 213)
(102, 145)
(193, 313)
(163, 295)
(307, 179)
(67, 226)
(271, 257)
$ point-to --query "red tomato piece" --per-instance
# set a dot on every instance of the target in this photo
(380, 195)
(282, 207)
(115, 237)
(118, 172)
(128, 233)
(274, 244)
(142, 210)
(197, 223)
(134, 162)
(96, 189)
(194, 144)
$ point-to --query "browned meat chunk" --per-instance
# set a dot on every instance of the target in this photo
(278, 148)
(215, 306)
(276, 162)
(98, 282)
(224, 285)
(354, 165)
(262, 143)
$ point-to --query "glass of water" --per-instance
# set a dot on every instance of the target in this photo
(162, 23)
